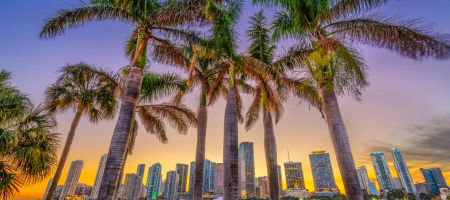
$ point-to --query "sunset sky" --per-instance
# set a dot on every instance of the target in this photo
(406, 105)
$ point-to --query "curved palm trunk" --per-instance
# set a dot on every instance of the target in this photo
(202, 117)
(230, 149)
(119, 142)
(119, 181)
(65, 153)
(270, 148)
(340, 142)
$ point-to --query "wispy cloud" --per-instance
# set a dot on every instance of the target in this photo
(423, 145)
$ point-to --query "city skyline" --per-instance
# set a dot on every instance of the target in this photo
(319, 160)
(383, 117)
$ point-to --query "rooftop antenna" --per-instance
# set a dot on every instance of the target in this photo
(289, 158)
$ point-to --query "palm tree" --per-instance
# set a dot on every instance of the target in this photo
(27, 144)
(152, 116)
(152, 20)
(87, 91)
(202, 73)
(323, 29)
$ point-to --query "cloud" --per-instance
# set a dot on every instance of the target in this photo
(423, 145)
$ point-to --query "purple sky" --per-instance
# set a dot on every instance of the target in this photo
(406, 103)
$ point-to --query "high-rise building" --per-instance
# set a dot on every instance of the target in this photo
(423, 188)
(48, 188)
(384, 178)
(191, 179)
(99, 176)
(363, 178)
(129, 187)
(373, 189)
(397, 183)
(434, 178)
(280, 180)
(294, 175)
(182, 170)
(83, 190)
(72, 178)
(171, 187)
(322, 171)
(403, 171)
(153, 181)
(263, 184)
(246, 153)
(208, 176)
(137, 190)
(218, 179)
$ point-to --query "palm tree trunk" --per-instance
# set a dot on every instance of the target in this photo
(340, 142)
(230, 149)
(65, 153)
(119, 141)
(119, 181)
(202, 116)
(270, 148)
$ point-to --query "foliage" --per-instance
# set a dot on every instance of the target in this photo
(27, 144)
(395, 194)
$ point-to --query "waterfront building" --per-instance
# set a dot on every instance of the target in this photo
(171, 188)
(83, 190)
(248, 175)
(218, 179)
(403, 171)
(182, 170)
(48, 188)
(322, 171)
(154, 179)
(381, 168)
(373, 189)
(99, 176)
(129, 187)
(363, 178)
(434, 178)
(72, 178)
(294, 175)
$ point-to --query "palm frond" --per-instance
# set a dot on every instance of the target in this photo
(346, 8)
(11, 182)
(67, 19)
(167, 53)
(152, 124)
(157, 86)
(178, 116)
(253, 111)
(403, 37)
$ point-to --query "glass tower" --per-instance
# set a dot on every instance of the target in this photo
(322, 171)
(294, 175)
(191, 179)
(172, 185)
(153, 181)
(246, 153)
(182, 171)
(99, 176)
(363, 178)
(381, 168)
(403, 171)
(434, 178)
(72, 178)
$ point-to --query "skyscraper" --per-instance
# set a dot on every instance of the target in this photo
(385, 181)
(434, 178)
(397, 183)
(171, 185)
(208, 176)
(373, 189)
(99, 176)
(182, 170)
(129, 187)
(72, 178)
(246, 152)
(322, 171)
(363, 178)
(153, 181)
(403, 171)
(263, 184)
(138, 187)
(294, 175)
(218, 178)
(191, 179)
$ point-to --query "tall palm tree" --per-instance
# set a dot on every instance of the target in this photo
(152, 20)
(152, 116)
(87, 91)
(270, 91)
(202, 73)
(27, 144)
(323, 29)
